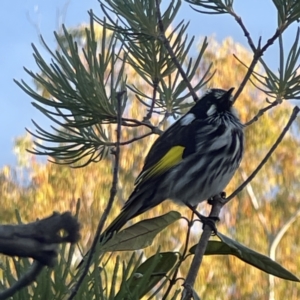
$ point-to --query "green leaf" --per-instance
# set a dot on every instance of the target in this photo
(260, 261)
(214, 248)
(151, 272)
(141, 234)
(257, 260)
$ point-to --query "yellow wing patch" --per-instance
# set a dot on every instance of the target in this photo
(170, 159)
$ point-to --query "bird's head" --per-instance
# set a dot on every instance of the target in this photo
(214, 101)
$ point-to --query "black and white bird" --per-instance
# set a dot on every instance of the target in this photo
(192, 161)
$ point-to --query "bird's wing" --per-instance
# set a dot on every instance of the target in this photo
(174, 145)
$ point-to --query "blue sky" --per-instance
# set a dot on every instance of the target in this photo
(18, 29)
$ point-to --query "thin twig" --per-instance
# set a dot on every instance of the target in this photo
(261, 112)
(27, 279)
(255, 205)
(113, 192)
(149, 114)
(268, 155)
(279, 235)
(246, 32)
(164, 119)
(255, 59)
(274, 243)
(166, 43)
(217, 204)
(135, 123)
(135, 139)
(257, 51)
(181, 258)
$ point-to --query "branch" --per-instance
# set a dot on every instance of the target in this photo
(255, 59)
(246, 32)
(39, 239)
(113, 192)
(166, 43)
(257, 51)
(255, 205)
(182, 258)
(279, 235)
(149, 114)
(188, 292)
(276, 240)
(273, 148)
(261, 112)
(135, 139)
(136, 123)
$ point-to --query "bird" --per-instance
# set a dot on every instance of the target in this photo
(192, 161)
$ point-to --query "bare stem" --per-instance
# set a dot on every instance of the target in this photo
(261, 112)
(166, 43)
(113, 192)
(268, 155)
(135, 123)
(248, 75)
(135, 139)
(246, 32)
(257, 51)
(181, 258)
(255, 205)
(149, 114)
(217, 204)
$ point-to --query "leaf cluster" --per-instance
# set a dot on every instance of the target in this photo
(80, 86)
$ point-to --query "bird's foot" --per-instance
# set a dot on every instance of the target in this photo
(209, 221)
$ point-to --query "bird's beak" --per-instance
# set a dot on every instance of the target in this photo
(229, 92)
(227, 99)
(228, 95)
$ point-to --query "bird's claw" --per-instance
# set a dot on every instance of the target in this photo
(211, 222)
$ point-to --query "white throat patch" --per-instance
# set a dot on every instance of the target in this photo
(212, 110)
(187, 119)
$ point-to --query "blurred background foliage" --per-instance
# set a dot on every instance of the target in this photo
(37, 188)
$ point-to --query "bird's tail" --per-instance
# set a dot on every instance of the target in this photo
(141, 200)
(132, 208)
(117, 224)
